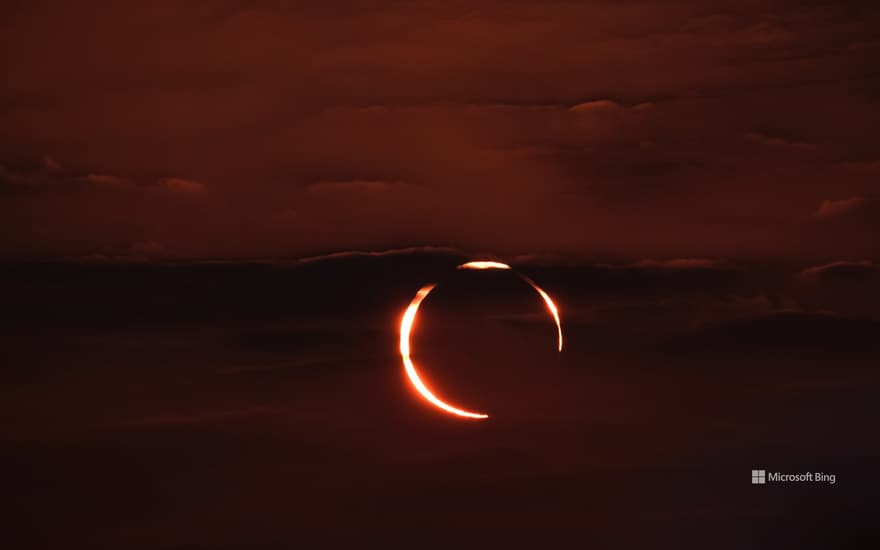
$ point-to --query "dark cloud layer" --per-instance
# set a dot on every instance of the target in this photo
(239, 405)
(687, 129)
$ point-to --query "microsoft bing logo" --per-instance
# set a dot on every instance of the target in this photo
(761, 477)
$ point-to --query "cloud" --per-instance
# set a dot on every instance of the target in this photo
(45, 175)
(841, 268)
(49, 175)
(846, 227)
(596, 106)
(832, 208)
(620, 130)
(769, 141)
(848, 288)
(439, 250)
(608, 106)
(50, 164)
(136, 252)
(182, 185)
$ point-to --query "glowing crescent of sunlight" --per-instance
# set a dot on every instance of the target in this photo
(409, 317)
(484, 265)
(551, 306)
(406, 325)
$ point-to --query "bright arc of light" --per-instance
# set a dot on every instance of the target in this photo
(406, 325)
(484, 265)
(408, 320)
(551, 306)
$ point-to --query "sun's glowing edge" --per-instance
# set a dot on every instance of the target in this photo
(484, 264)
(406, 325)
(551, 307)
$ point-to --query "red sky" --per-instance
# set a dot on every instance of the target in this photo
(182, 130)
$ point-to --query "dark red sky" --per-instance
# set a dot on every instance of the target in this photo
(178, 130)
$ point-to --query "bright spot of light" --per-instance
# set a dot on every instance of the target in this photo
(484, 265)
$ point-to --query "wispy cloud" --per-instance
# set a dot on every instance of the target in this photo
(835, 208)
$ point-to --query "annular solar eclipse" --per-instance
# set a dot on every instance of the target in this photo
(409, 318)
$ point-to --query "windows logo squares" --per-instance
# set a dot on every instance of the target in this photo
(759, 477)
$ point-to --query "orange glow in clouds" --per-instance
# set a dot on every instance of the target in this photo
(409, 318)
